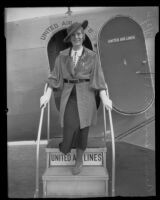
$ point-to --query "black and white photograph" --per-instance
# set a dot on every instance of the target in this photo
(81, 101)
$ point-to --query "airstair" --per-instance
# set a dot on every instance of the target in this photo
(58, 180)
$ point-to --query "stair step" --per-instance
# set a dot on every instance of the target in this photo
(93, 142)
(95, 154)
(91, 182)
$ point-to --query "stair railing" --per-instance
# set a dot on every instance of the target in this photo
(48, 122)
(113, 143)
(112, 131)
(36, 194)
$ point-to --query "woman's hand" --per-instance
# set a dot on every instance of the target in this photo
(105, 99)
(46, 97)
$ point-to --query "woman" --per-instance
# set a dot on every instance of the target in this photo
(78, 74)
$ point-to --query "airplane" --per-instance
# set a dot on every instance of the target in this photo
(33, 41)
(32, 46)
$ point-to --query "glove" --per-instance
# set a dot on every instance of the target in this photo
(105, 100)
(45, 98)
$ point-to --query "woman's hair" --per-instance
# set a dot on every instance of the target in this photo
(84, 35)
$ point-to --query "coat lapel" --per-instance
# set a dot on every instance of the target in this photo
(69, 64)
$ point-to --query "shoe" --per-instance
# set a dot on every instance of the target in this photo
(79, 162)
(77, 169)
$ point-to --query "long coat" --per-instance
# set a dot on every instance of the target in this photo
(87, 67)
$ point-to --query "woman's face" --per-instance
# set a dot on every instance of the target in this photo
(77, 37)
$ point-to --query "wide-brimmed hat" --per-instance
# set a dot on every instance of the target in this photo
(73, 27)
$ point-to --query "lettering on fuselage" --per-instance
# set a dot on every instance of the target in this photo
(62, 24)
(49, 30)
(121, 39)
(89, 158)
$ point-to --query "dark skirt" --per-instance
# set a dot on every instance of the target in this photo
(73, 136)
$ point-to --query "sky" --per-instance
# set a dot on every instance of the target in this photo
(12, 14)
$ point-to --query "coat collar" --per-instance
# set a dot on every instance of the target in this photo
(79, 52)
(84, 49)
(69, 63)
(67, 52)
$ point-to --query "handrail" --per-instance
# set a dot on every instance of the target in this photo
(36, 194)
(48, 122)
(113, 144)
(113, 150)
(112, 132)
(104, 118)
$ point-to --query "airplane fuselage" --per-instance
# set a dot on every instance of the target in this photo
(32, 46)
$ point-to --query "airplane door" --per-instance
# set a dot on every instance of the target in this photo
(124, 61)
(56, 45)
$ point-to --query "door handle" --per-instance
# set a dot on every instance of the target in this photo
(139, 72)
(144, 62)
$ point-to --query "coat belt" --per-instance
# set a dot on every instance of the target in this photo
(76, 80)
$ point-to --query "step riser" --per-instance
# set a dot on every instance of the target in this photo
(59, 181)
(78, 188)
(89, 158)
